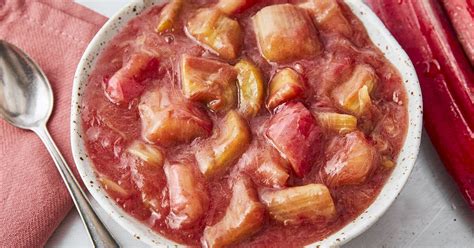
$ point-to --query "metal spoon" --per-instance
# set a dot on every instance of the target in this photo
(26, 101)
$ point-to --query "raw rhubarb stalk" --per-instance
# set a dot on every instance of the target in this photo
(446, 80)
(461, 15)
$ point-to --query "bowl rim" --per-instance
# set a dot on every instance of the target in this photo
(381, 38)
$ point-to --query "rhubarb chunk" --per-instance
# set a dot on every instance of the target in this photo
(152, 186)
(295, 205)
(243, 218)
(127, 82)
(339, 123)
(168, 15)
(387, 163)
(187, 194)
(354, 95)
(169, 120)
(213, 29)
(328, 16)
(114, 188)
(265, 165)
(147, 153)
(251, 90)
(285, 33)
(231, 7)
(350, 160)
(232, 140)
(210, 82)
(296, 135)
(285, 86)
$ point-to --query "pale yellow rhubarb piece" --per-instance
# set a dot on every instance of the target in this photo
(243, 218)
(209, 81)
(328, 16)
(113, 187)
(216, 31)
(294, 205)
(350, 160)
(233, 139)
(168, 120)
(387, 162)
(152, 202)
(150, 154)
(285, 33)
(285, 86)
(339, 123)
(354, 95)
(233, 6)
(168, 15)
(251, 91)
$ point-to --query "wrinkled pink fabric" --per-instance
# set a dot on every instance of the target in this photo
(33, 198)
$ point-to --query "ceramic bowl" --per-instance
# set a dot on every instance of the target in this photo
(380, 36)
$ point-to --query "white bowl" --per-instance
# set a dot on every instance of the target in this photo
(380, 37)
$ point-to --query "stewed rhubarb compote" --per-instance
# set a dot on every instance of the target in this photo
(244, 123)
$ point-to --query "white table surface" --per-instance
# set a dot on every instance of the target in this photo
(429, 211)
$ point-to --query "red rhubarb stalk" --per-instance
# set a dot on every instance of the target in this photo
(446, 79)
(461, 15)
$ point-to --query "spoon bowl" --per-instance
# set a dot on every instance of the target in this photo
(26, 98)
(26, 101)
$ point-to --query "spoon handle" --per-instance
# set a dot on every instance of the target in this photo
(99, 235)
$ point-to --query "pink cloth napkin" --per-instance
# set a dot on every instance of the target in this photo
(33, 198)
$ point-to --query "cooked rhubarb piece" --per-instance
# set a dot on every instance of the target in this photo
(265, 165)
(187, 194)
(151, 184)
(213, 29)
(285, 86)
(146, 152)
(387, 162)
(168, 15)
(232, 140)
(327, 15)
(153, 200)
(126, 83)
(350, 160)
(234, 6)
(243, 218)
(169, 120)
(339, 123)
(296, 134)
(295, 205)
(387, 134)
(114, 188)
(354, 94)
(251, 90)
(209, 81)
(285, 33)
(271, 173)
